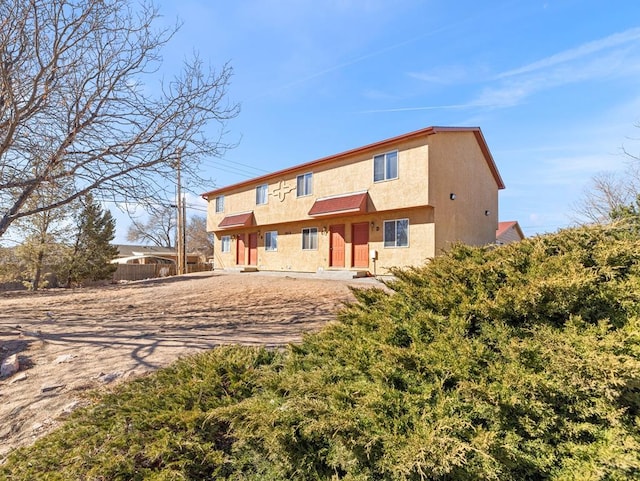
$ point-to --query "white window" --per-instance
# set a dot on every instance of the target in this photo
(304, 184)
(225, 243)
(262, 191)
(271, 240)
(220, 203)
(396, 233)
(385, 166)
(310, 238)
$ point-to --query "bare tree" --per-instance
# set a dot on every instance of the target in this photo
(158, 229)
(76, 103)
(606, 193)
(198, 239)
(609, 192)
(43, 233)
(43, 243)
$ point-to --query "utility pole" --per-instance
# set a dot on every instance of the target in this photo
(184, 235)
(180, 222)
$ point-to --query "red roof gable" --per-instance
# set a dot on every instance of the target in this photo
(503, 226)
(503, 230)
(352, 203)
(237, 220)
(388, 143)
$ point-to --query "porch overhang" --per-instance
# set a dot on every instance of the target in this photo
(237, 220)
(340, 204)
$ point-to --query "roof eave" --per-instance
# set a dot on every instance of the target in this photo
(336, 212)
(376, 145)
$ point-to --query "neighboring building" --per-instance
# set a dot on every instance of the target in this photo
(508, 232)
(397, 202)
(143, 254)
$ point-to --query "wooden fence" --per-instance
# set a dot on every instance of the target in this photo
(137, 272)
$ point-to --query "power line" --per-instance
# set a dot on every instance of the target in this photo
(240, 172)
(196, 207)
(243, 165)
(167, 204)
(237, 168)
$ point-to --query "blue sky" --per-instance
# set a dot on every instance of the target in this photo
(554, 85)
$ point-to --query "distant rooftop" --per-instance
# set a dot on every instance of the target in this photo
(128, 250)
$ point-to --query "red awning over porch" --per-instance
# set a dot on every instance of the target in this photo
(341, 204)
(237, 220)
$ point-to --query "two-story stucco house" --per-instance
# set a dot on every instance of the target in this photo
(396, 202)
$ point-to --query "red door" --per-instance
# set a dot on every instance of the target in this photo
(240, 250)
(336, 245)
(360, 244)
(253, 249)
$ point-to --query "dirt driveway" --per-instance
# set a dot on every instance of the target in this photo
(71, 341)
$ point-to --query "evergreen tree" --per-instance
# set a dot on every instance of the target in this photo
(628, 214)
(92, 250)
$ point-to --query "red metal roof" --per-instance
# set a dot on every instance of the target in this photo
(237, 220)
(504, 226)
(388, 143)
(351, 203)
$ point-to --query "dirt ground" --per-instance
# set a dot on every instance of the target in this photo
(70, 341)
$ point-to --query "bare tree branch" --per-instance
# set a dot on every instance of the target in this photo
(158, 229)
(76, 105)
(605, 193)
(609, 192)
(198, 239)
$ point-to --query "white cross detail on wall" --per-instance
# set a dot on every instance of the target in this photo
(282, 190)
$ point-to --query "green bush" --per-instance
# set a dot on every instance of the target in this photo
(514, 363)
(154, 428)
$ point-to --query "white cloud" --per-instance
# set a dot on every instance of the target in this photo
(584, 50)
(517, 87)
(413, 109)
(616, 56)
(375, 94)
(446, 75)
(578, 169)
(309, 14)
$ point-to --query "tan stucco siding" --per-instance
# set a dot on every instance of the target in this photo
(290, 255)
(432, 165)
(345, 176)
(457, 166)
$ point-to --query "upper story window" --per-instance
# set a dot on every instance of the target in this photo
(304, 184)
(220, 203)
(396, 233)
(262, 192)
(385, 166)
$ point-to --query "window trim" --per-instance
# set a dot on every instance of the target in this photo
(272, 234)
(266, 194)
(384, 234)
(385, 157)
(225, 240)
(219, 207)
(309, 232)
(305, 194)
